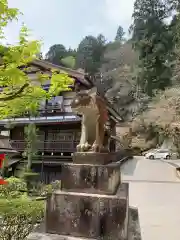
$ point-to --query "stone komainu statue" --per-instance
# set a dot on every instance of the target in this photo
(94, 116)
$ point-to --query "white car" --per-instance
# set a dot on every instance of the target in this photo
(159, 154)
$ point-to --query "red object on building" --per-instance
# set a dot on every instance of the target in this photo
(2, 157)
(2, 181)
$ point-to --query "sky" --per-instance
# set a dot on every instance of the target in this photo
(68, 21)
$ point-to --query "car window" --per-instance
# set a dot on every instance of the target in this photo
(162, 151)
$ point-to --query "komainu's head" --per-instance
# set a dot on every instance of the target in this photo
(82, 100)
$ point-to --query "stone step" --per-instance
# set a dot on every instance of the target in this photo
(46, 236)
(94, 157)
(97, 179)
(133, 230)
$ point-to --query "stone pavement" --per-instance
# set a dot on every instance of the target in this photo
(155, 190)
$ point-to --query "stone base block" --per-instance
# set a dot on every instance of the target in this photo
(98, 179)
(134, 232)
(46, 236)
(94, 158)
(88, 215)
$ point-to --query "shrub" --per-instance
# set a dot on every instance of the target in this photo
(18, 217)
(13, 189)
(18, 212)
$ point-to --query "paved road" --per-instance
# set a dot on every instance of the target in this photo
(176, 163)
(155, 190)
(141, 169)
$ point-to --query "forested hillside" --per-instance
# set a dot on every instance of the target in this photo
(116, 61)
(137, 69)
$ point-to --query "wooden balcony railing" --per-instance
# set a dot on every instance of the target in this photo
(47, 110)
(51, 109)
(47, 146)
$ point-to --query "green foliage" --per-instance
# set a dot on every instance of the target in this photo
(173, 4)
(69, 61)
(120, 34)
(31, 179)
(31, 143)
(19, 93)
(19, 217)
(115, 45)
(29, 100)
(176, 67)
(56, 53)
(154, 42)
(12, 189)
(6, 14)
(59, 55)
(90, 53)
(43, 190)
(18, 212)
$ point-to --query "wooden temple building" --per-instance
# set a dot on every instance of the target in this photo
(58, 127)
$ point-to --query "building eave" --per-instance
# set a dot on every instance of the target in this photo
(41, 120)
(47, 66)
(114, 115)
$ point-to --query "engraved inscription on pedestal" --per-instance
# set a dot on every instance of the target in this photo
(100, 179)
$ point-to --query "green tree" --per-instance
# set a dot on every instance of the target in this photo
(90, 53)
(71, 52)
(69, 61)
(31, 141)
(173, 4)
(154, 43)
(19, 93)
(101, 40)
(100, 50)
(120, 34)
(176, 30)
(56, 53)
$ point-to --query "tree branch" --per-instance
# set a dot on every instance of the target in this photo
(14, 95)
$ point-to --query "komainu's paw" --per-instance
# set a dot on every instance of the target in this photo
(83, 147)
(95, 148)
(78, 148)
(98, 148)
(87, 146)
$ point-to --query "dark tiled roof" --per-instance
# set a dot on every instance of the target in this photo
(13, 161)
(81, 76)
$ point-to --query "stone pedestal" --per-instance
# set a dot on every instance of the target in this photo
(88, 215)
(134, 232)
(94, 158)
(92, 204)
(90, 178)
